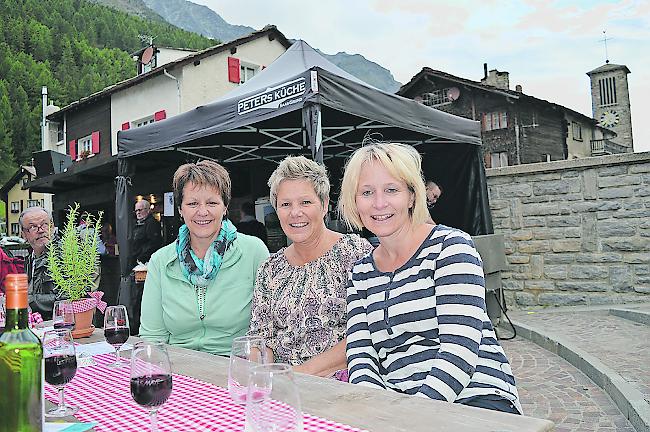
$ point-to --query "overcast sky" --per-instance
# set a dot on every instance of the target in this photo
(547, 46)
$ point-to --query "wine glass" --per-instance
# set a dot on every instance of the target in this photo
(60, 367)
(247, 351)
(273, 402)
(116, 331)
(151, 377)
(62, 315)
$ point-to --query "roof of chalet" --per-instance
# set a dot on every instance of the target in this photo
(607, 67)
(16, 177)
(270, 30)
(426, 71)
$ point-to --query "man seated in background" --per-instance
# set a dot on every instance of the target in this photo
(36, 227)
(147, 237)
(248, 224)
(434, 191)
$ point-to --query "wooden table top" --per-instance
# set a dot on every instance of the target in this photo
(375, 410)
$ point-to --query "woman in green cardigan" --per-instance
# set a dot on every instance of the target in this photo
(198, 289)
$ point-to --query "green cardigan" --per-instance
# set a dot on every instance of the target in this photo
(170, 311)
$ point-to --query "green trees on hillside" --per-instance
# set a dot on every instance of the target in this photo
(73, 47)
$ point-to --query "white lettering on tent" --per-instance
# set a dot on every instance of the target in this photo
(273, 97)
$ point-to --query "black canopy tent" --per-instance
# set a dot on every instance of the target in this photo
(303, 104)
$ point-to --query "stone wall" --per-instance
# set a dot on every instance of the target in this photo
(576, 231)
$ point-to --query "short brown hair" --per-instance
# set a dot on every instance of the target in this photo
(203, 173)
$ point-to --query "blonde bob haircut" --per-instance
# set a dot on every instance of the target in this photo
(300, 168)
(203, 173)
(402, 162)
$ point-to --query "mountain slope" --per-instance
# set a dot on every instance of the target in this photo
(205, 21)
(197, 18)
(132, 7)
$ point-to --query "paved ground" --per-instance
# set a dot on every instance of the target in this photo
(620, 344)
(551, 388)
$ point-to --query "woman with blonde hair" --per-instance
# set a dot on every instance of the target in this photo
(299, 299)
(198, 290)
(417, 320)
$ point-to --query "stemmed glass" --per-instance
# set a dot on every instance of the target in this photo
(116, 331)
(62, 315)
(60, 367)
(247, 351)
(151, 378)
(273, 402)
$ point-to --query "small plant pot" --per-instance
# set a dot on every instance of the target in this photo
(83, 326)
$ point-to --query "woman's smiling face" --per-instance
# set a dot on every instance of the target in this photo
(202, 210)
(383, 201)
(300, 211)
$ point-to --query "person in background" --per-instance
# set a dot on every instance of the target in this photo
(248, 224)
(198, 290)
(434, 191)
(36, 227)
(109, 239)
(417, 320)
(299, 298)
(147, 237)
(9, 265)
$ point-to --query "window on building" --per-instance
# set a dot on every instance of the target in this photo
(576, 129)
(84, 146)
(494, 120)
(33, 203)
(24, 181)
(607, 91)
(437, 97)
(499, 159)
(142, 122)
(15, 206)
(15, 229)
(246, 72)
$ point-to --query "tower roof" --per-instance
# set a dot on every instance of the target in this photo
(608, 67)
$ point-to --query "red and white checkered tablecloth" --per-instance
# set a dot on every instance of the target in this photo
(103, 395)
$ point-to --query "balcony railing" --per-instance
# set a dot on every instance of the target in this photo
(601, 147)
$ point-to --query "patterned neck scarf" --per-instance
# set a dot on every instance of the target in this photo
(201, 271)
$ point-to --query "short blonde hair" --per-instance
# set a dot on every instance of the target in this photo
(300, 168)
(203, 173)
(402, 161)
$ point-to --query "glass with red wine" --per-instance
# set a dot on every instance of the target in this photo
(60, 367)
(62, 315)
(151, 378)
(116, 331)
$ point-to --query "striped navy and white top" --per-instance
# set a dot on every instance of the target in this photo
(423, 329)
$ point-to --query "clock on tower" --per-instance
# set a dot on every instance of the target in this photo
(609, 118)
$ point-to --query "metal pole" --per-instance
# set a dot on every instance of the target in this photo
(43, 120)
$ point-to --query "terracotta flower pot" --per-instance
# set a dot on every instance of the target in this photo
(83, 326)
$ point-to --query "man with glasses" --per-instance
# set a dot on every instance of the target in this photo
(36, 226)
(146, 234)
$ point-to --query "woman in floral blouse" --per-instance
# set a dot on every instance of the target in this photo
(299, 299)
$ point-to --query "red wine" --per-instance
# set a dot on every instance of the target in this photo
(151, 391)
(62, 326)
(60, 370)
(116, 336)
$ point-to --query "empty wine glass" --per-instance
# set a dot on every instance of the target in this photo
(151, 378)
(116, 331)
(62, 315)
(273, 402)
(60, 367)
(247, 351)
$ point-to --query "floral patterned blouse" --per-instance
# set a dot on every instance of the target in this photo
(300, 310)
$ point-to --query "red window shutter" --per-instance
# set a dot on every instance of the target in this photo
(95, 142)
(126, 125)
(160, 115)
(72, 145)
(233, 70)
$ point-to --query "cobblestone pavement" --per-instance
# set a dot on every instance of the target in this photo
(551, 388)
(620, 344)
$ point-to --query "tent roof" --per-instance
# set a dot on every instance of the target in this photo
(310, 79)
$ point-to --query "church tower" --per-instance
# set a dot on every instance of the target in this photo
(610, 101)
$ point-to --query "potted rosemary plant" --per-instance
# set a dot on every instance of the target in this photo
(73, 264)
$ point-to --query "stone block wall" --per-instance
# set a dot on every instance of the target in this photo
(577, 232)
